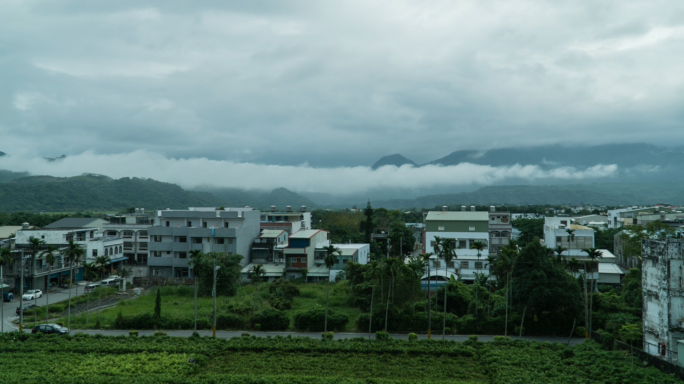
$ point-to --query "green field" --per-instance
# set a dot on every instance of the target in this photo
(178, 303)
(161, 359)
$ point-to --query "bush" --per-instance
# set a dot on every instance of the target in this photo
(272, 320)
(228, 321)
(314, 320)
(283, 288)
(133, 333)
(380, 335)
(246, 334)
(472, 338)
(412, 337)
(327, 335)
(580, 332)
(279, 303)
(160, 334)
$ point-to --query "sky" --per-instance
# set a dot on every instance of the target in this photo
(331, 84)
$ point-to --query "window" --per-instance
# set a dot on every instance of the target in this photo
(462, 244)
(471, 229)
(168, 252)
(94, 252)
(225, 225)
(112, 233)
(464, 265)
(182, 239)
(189, 223)
(142, 233)
(436, 264)
(344, 261)
(559, 240)
(478, 265)
(440, 228)
(303, 259)
(156, 254)
(128, 233)
(433, 243)
(128, 245)
(564, 222)
(182, 255)
(204, 224)
(220, 240)
(143, 246)
(452, 264)
(157, 238)
(168, 223)
(196, 240)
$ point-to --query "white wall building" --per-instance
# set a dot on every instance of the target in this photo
(555, 233)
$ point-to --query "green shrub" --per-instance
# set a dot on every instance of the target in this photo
(257, 327)
(412, 337)
(195, 335)
(314, 320)
(279, 302)
(472, 338)
(272, 320)
(580, 332)
(245, 334)
(283, 288)
(380, 335)
(228, 321)
(501, 339)
(327, 335)
(160, 334)
(133, 333)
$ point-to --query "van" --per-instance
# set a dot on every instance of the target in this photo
(109, 282)
(91, 287)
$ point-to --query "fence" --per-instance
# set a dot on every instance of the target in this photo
(161, 281)
(669, 367)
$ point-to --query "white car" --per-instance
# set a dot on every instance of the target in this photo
(114, 277)
(32, 294)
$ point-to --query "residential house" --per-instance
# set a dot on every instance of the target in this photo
(556, 233)
(305, 252)
(78, 223)
(133, 228)
(500, 230)
(267, 251)
(289, 221)
(176, 232)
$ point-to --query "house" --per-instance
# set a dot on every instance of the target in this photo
(287, 220)
(267, 250)
(176, 232)
(663, 299)
(500, 230)
(305, 252)
(599, 221)
(133, 228)
(556, 233)
(633, 216)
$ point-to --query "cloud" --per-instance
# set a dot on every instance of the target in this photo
(194, 172)
(336, 83)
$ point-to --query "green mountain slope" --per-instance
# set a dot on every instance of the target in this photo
(279, 197)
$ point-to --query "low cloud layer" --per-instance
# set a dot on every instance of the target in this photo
(194, 172)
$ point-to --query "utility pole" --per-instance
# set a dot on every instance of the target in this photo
(21, 293)
(216, 269)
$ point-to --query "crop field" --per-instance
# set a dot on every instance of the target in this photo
(161, 359)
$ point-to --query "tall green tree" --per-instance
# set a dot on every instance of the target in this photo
(330, 260)
(196, 263)
(391, 265)
(89, 274)
(593, 254)
(255, 274)
(157, 307)
(72, 253)
(228, 275)
(448, 253)
(49, 255)
(367, 225)
(479, 246)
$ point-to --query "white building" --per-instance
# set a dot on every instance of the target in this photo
(556, 233)
(133, 228)
(288, 220)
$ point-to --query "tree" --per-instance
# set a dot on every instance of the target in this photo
(196, 263)
(255, 274)
(529, 229)
(448, 253)
(101, 262)
(367, 226)
(571, 237)
(124, 274)
(72, 253)
(227, 277)
(593, 254)
(415, 267)
(157, 307)
(5, 259)
(426, 260)
(479, 246)
(49, 255)
(390, 264)
(559, 252)
(330, 260)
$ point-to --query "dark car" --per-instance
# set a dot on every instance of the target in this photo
(26, 307)
(50, 328)
(7, 297)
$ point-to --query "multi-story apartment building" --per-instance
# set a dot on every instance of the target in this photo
(556, 233)
(289, 221)
(500, 230)
(176, 232)
(133, 229)
(663, 298)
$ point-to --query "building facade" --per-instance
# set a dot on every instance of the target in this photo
(288, 220)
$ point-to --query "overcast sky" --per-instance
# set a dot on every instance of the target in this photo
(335, 83)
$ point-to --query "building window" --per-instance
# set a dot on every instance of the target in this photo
(142, 233)
(156, 254)
(94, 252)
(156, 272)
(461, 244)
(182, 255)
(204, 224)
(471, 229)
(168, 223)
(182, 239)
(478, 265)
(189, 223)
(128, 246)
(143, 246)
(225, 224)
(464, 265)
(168, 252)
(440, 228)
(436, 264)
(128, 233)
(433, 243)
(220, 240)
(196, 240)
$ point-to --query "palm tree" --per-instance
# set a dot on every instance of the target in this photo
(391, 265)
(330, 260)
(72, 253)
(479, 246)
(571, 237)
(415, 267)
(559, 251)
(448, 254)
(426, 260)
(35, 244)
(196, 263)
(102, 262)
(255, 274)
(593, 254)
(373, 273)
(49, 255)
(5, 259)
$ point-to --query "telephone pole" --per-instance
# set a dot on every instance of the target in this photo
(216, 269)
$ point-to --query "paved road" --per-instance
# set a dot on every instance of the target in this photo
(317, 335)
(10, 308)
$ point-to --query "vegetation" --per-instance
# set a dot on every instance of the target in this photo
(100, 359)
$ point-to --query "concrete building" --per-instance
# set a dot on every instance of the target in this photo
(78, 223)
(663, 313)
(176, 232)
(305, 251)
(8, 231)
(133, 229)
(599, 221)
(555, 233)
(500, 230)
(633, 215)
(289, 221)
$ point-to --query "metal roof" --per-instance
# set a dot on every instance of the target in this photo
(73, 222)
(348, 251)
(319, 271)
(271, 233)
(457, 216)
(305, 234)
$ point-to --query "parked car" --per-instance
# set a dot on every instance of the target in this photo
(114, 277)
(109, 282)
(32, 294)
(91, 287)
(25, 308)
(50, 328)
(7, 297)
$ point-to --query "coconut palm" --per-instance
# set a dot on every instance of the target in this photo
(593, 254)
(102, 263)
(330, 260)
(124, 273)
(49, 255)
(255, 274)
(571, 237)
(560, 260)
(448, 254)
(5, 259)
(72, 253)
(196, 263)
(479, 246)
(415, 269)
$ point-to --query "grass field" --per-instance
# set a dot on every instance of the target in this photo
(178, 302)
(161, 359)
